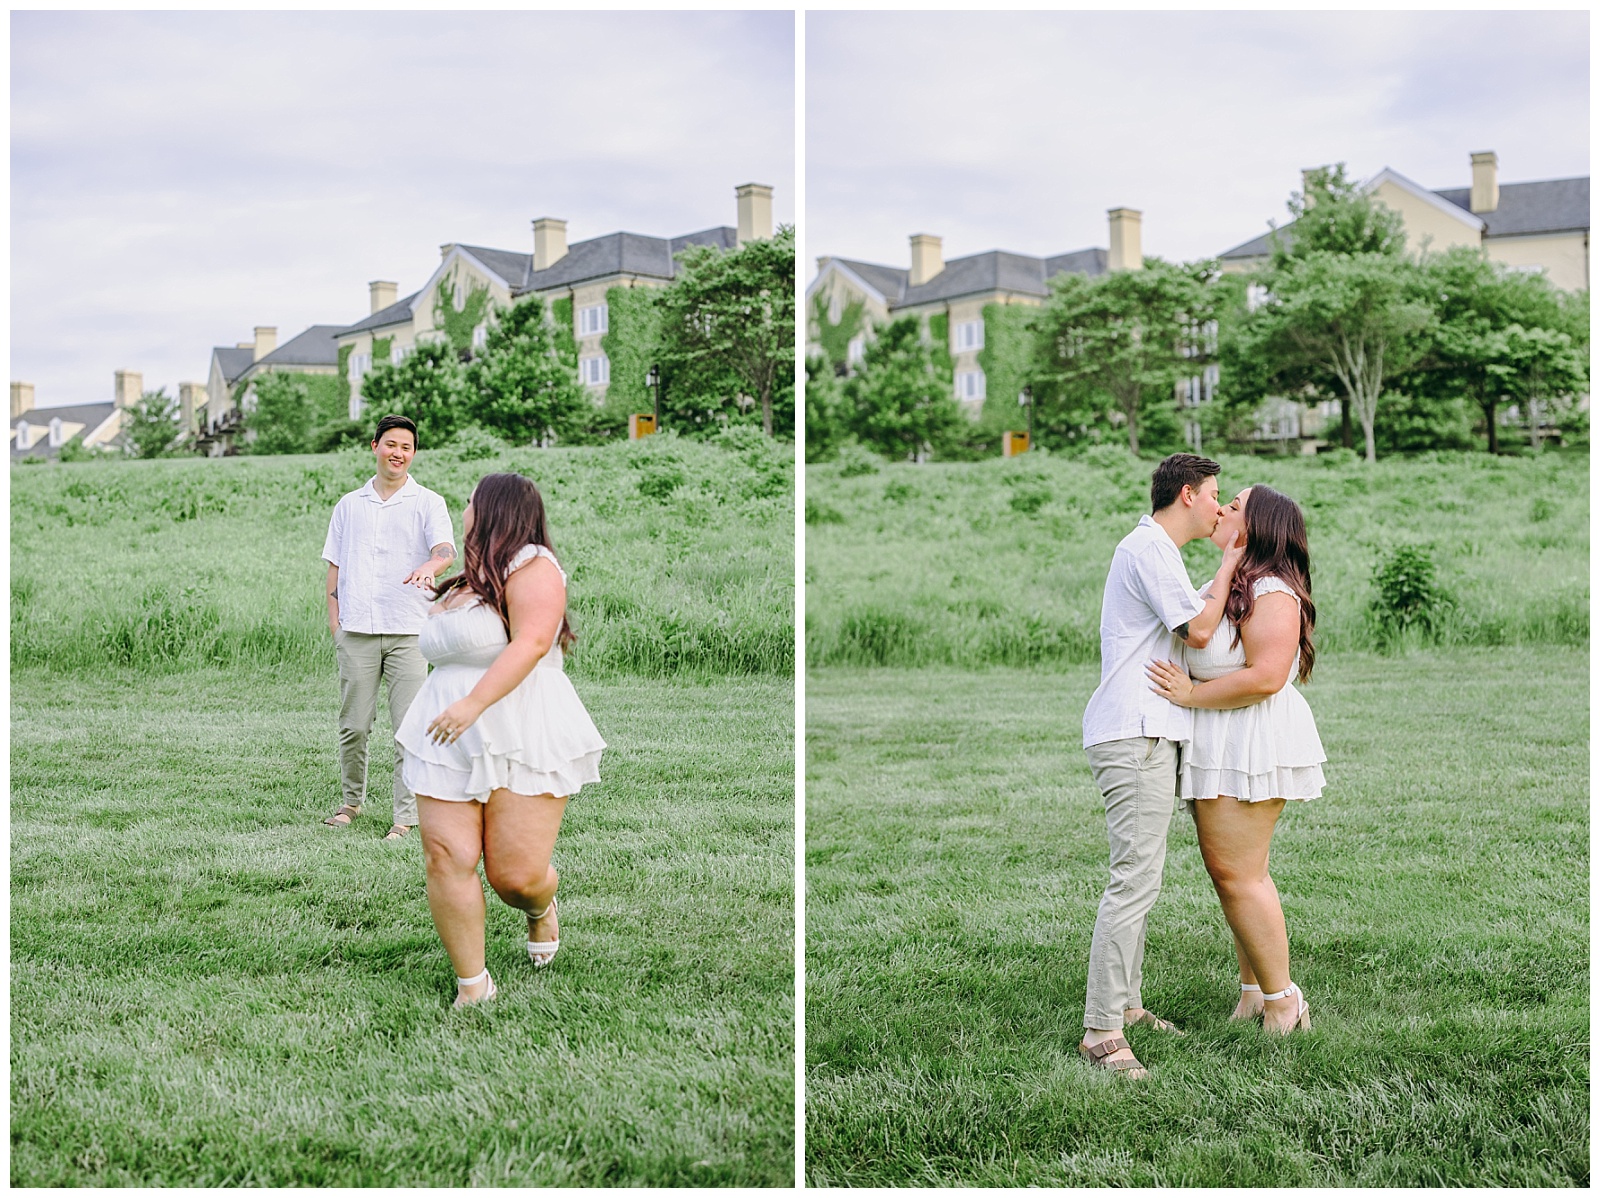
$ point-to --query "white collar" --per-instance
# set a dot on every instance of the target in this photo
(407, 489)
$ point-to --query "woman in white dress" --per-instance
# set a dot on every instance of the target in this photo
(1255, 744)
(497, 740)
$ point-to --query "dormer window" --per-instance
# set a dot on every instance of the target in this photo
(55, 433)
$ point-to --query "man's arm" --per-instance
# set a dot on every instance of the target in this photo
(1199, 630)
(443, 554)
(333, 597)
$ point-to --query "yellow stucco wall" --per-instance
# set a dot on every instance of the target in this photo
(837, 293)
(1427, 225)
(1564, 256)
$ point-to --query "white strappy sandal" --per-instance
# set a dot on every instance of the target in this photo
(472, 1002)
(1302, 1015)
(1245, 988)
(542, 952)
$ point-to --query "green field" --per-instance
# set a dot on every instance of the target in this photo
(210, 988)
(1003, 562)
(1437, 898)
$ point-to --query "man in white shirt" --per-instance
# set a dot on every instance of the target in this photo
(386, 542)
(1132, 735)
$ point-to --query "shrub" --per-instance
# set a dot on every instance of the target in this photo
(1407, 595)
(855, 459)
(473, 443)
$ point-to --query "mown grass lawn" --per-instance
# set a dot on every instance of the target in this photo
(1437, 898)
(210, 988)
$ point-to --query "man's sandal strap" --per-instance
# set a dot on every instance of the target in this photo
(1098, 1052)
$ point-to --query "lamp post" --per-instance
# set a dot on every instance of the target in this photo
(1025, 398)
(653, 381)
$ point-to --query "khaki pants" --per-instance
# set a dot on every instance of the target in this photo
(364, 660)
(1139, 779)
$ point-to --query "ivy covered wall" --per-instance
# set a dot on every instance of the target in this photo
(458, 326)
(344, 375)
(632, 343)
(835, 338)
(1006, 361)
(381, 348)
(939, 331)
(566, 337)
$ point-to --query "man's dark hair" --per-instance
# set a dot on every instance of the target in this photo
(1177, 472)
(389, 422)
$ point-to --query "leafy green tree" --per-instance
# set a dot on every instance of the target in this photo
(1333, 215)
(519, 387)
(429, 386)
(151, 425)
(728, 324)
(1357, 317)
(1119, 343)
(1499, 337)
(282, 415)
(825, 409)
(900, 401)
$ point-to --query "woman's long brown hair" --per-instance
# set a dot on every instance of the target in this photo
(1275, 546)
(507, 514)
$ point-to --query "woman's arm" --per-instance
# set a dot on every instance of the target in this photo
(1270, 637)
(536, 600)
(1197, 633)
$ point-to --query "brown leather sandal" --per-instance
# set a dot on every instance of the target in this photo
(1096, 1055)
(397, 832)
(342, 818)
(1148, 1019)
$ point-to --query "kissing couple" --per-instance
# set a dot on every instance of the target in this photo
(1194, 702)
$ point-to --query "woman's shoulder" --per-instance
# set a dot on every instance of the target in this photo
(1270, 584)
(531, 552)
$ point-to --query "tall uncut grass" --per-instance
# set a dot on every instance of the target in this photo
(1003, 562)
(680, 555)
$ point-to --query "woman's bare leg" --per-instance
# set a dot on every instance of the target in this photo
(452, 842)
(519, 834)
(1235, 839)
(1249, 1000)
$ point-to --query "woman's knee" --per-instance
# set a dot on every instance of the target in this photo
(444, 858)
(520, 877)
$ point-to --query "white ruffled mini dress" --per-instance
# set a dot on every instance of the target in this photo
(1269, 750)
(537, 740)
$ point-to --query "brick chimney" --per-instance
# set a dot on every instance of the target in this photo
(927, 257)
(1126, 251)
(21, 398)
(444, 250)
(129, 387)
(266, 341)
(1485, 181)
(755, 211)
(383, 294)
(549, 242)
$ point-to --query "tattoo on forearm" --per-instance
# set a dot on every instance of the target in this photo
(1182, 631)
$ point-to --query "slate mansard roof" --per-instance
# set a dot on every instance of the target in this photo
(597, 258)
(1551, 206)
(234, 361)
(90, 415)
(977, 274)
(314, 347)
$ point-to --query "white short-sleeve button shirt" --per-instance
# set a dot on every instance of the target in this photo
(376, 543)
(1148, 594)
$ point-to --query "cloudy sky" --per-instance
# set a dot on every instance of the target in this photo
(179, 178)
(1019, 130)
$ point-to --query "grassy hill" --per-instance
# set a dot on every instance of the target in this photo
(680, 554)
(1003, 562)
